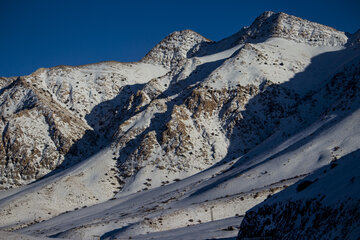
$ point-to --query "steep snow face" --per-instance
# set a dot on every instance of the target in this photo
(324, 205)
(277, 60)
(196, 131)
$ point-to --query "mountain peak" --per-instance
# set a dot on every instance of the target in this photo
(174, 48)
(271, 24)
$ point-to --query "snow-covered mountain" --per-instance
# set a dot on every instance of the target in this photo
(197, 131)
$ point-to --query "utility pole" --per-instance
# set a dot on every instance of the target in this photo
(211, 213)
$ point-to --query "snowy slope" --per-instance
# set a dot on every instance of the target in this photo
(189, 201)
(189, 138)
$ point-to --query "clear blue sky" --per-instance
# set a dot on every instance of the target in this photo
(46, 33)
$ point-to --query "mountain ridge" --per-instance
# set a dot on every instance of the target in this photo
(195, 124)
(176, 54)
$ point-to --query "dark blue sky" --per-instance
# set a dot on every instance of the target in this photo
(46, 33)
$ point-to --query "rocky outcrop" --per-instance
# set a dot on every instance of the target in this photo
(37, 134)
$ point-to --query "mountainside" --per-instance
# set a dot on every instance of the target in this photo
(196, 131)
(59, 116)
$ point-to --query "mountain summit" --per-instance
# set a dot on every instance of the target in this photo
(270, 24)
(196, 132)
(174, 48)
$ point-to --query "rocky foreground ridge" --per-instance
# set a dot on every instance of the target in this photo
(324, 205)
